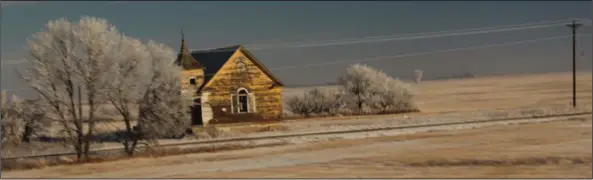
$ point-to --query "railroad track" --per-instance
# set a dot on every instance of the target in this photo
(244, 139)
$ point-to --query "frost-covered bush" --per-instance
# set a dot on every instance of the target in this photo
(368, 90)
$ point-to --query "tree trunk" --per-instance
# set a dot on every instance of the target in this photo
(27, 132)
(91, 122)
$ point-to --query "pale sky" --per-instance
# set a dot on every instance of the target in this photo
(296, 34)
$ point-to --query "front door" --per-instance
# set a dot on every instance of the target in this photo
(196, 113)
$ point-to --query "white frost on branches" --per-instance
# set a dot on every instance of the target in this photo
(90, 61)
(363, 90)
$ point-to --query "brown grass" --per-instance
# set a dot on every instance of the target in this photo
(24, 164)
(525, 151)
(517, 151)
(461, 95)
(437, 97)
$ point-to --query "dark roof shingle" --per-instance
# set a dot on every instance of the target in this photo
(213, 59)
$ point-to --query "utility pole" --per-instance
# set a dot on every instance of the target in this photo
(574, 26)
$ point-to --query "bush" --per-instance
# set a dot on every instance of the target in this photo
(368, 90)
(393, 96)
(21, 120)
(317, 102)
(363, 90)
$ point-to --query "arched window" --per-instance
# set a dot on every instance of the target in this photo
(243, 102)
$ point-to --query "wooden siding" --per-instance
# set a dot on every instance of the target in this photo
(186, 75)
(228, 80)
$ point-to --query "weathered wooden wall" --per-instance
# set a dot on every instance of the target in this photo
(186, 75)
(228, 80)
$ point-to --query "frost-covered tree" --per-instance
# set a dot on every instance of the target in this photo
(393, 96)
(11, 125)
(316, 101)
(163, 110)
(144, 75)
(91, 61)
(127, 86)
(367, 87)
(359, 82)
(70, 63)
(21, 120)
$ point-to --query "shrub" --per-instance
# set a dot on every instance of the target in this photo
(368, 89)
(316, 102)
(300, 105)
(393, 96)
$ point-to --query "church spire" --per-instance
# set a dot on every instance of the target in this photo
(185, 59)
(183, 46)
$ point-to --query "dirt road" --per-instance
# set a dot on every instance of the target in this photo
(556, 149)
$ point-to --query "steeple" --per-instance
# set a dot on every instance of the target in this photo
(183, 47)
(185, 59)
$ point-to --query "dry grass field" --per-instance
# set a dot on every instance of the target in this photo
(482, 93)
(505, 151)
(494, 92)
(515, 151)
(463, 95)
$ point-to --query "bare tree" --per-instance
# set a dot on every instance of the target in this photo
(418, 75)
(70, 63)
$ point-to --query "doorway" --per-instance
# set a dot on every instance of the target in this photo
(196, 112)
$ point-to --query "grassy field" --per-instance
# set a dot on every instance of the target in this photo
(515, 151)
(491, 152)
(493, 92)
(464, 95)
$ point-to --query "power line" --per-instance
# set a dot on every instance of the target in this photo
(411, 54)
(411, 37)
(415, 34)
(426, 53)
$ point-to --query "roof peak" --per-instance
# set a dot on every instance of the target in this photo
(220, 49)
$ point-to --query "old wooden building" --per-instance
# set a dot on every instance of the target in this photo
(228, 85)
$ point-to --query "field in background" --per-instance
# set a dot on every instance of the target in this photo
(434, 97)
(475, 94)
(494, 92)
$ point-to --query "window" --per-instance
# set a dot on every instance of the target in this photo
(243, 102)
(192, 81)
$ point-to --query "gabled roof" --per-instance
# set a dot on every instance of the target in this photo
(214, 59)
